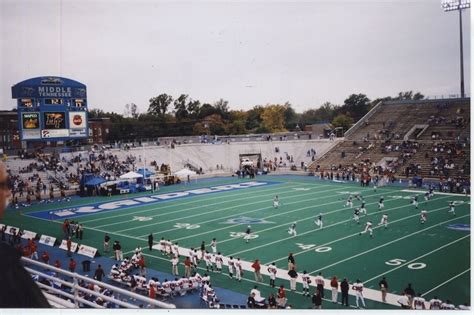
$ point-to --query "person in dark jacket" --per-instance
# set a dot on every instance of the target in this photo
(99, 273)
(17, 289)
(150, 241)
(317, 299)
(345, 292)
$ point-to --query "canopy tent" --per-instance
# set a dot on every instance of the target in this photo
(185, 172)
(94, 181)
(145, 172)
(131, 175)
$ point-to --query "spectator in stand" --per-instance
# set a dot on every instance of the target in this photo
(281, 297)
(251, 303)
(57, 263)
(72, 265)
(99, 273)
(69, 246)
(45, 257)
(271, 301)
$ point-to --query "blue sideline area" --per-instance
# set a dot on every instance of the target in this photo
(190, 300)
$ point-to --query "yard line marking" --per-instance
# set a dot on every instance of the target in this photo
(449, 280)
(217, 210)
(178, 204)
(391, 242)
(419, 257)
(271, 216)
(316, 230)
(436, 193)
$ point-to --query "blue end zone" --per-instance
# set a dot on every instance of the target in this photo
(99, 207)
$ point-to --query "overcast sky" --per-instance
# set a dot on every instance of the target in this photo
(245, 52)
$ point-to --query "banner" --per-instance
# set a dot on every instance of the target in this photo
(87, 251)
(47, 240)
(54, 133)
(28, 235)
(11, 229)
(54, 120)
(64, 246)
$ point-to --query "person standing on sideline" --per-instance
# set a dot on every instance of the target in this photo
(291, 261)
(256, 267)
(187, 267)
(306, 281)
(320, 283)
(272, 272)
(358, 287)
(69, 246)
(345, 292)
(150, 241)
(72, 265)
(106, 243)
(80, 230)
(317, 300)
(174, 264)
(214, 246)
(334, 288)
(383, 288)
(293, 275)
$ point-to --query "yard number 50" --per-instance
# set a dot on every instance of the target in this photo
(399, 261)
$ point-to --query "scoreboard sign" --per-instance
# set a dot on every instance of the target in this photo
(51, 109)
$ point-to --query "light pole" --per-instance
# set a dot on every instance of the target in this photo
(459, 5)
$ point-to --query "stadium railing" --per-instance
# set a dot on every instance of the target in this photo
(363, 119)
(76, 288)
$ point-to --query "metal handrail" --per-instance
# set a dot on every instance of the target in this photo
(74, 285)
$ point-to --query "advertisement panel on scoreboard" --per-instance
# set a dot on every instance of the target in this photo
(30, 125)
(54, 133)
(54, 120)
(77, 124)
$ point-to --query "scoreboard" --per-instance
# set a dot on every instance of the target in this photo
(51, 109)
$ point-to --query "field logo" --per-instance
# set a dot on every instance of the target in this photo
(459, 227)
(243, 235)
(246, 220)
(186, 226)
(142, 219)
(303, 189)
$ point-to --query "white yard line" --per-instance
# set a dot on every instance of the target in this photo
(447, 281)
(316, 230)
(436, 193)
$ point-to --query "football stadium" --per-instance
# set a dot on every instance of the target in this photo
(363, 205)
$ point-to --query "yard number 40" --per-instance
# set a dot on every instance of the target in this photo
(399, 261)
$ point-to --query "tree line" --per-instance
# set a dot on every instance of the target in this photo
(169, 116)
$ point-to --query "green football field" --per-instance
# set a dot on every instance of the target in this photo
(434, 256)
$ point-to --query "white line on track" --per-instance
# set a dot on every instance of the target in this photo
(447, 281)
(419, 257)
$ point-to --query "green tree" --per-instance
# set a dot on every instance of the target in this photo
(222, 108)
(159, 105)
(254, 119)
(206, 110)
(194, 107)
(356, 105)
(409, 95)
(180, 108)
(273, 118)
(343, 121)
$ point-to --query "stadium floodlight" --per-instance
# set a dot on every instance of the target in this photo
(458, 5)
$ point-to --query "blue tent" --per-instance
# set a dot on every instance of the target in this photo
(145, 172)
(94, 181)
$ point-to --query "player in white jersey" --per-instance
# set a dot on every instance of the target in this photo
(435, 303)
(368, 228)
(207, 259)
(163, 245)
(168, 247)
(381, 203)
(219, 261)
(427, 196)
(306, 281)
(419, 302)
(464, 307)
(384, 220)
(414, 201)
(451, 208)
(175, 249)
(358, 287)
(356, 215)
(292, 229)
(174, 266)
(195, 259)
(239, 270)
(272, 273)
(276, 202)
(231, 266)
(448, 305)
(319, 221)
(214, 245)
(423, 216)
(362, 208)
(349, 202)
